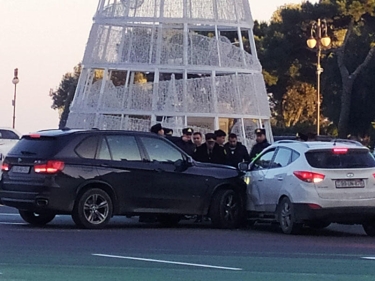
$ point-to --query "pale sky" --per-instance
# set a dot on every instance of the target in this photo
(44, 39)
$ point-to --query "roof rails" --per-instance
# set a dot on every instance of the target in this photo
(346, 141)
(292, 141)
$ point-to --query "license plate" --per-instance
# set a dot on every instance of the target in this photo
(350, 183)
(21, 169)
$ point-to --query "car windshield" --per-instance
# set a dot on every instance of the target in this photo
(352, 158)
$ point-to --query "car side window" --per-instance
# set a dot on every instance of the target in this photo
(159, 150)
(295, 155)
(264, 161)
(87, 148)
(7, 134)
(104, 153)
(283, 158)
(122, 147)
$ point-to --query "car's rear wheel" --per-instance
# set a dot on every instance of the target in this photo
(93, 209)
(169, 220)
(38, 219)
(226, 209)
(369, 228)
(286, 217)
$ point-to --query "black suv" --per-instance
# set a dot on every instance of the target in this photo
(94, 175)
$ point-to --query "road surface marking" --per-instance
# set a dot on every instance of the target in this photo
(9, 214)
(169, 262)
(1, 222)
(368, 258)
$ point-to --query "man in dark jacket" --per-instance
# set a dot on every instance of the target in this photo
(236, 152)
(261, 144)
(210, 151)
(185, 142)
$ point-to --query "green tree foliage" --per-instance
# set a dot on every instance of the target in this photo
(346, 82)
(63, 96)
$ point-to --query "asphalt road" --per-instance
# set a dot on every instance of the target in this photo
(128, 250)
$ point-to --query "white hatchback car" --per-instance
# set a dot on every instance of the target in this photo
(313, 184)
(8, 138)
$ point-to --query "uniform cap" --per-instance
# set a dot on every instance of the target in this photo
(260, 131)
(187, 131)
(156, 128)
(168, 131)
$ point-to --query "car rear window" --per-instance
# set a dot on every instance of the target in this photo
(352, 158)
(39, 147)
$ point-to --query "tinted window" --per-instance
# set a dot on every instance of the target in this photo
(283, 158)
(160, 150)
(87, 148)
(6, 134)
(123, 147)
(264, 161)
(103, 152)
(355, 158)
(40, 147)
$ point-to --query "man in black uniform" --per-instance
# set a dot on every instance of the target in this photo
(185, 142)
(210, 151)
(261, 144)
(220, 137)
(236, 151)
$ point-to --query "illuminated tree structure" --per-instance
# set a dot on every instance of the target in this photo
(177, 62)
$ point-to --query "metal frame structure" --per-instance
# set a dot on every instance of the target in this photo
(170, 61)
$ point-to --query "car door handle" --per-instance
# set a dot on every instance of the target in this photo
(158, 170)
(260, 179)
(104, 165)
(280, 178)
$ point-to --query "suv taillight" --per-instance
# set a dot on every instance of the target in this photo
(4, 167)
(309, 176)
(50, 167)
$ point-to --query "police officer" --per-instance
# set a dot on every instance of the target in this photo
(185, 142)
(210, 151)
(157, 129)
(261, 144)
(236, 152)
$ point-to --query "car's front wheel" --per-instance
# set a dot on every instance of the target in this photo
(93, 209)
(38, 219)
(226, 209)
(286, 217)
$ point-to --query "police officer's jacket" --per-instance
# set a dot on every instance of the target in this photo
(217, 156)
(258, 148)
(236, 154)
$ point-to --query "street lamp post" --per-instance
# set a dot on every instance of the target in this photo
(15, 82)
(319, 38)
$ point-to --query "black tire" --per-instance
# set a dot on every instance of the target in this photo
(38, 219)
(226, 209)
(286, 217)
(169, 220)
(318, 224)
(369, 228)
(93, 209)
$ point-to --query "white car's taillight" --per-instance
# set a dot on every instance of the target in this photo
(309, 176)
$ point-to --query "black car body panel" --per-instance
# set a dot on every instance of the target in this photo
(141, 172)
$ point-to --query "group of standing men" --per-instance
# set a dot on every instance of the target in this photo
(214, 149)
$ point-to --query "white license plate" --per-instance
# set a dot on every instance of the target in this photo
(21, 169)
(350, 183)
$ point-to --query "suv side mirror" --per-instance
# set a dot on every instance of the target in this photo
(243, 166)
